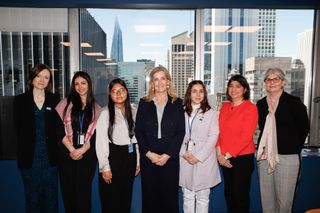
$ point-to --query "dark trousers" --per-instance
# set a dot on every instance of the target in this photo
(160, 186)
(76, 179)
(237, 181)
(116, 196)
(40, 189)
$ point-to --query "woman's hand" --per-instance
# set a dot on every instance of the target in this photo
(190, 158)
(224, 162)
(153, 157)
(77, 154)
(137, 170)
(162, 160)
(107, 176)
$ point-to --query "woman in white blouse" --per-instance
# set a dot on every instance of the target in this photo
(117, 150)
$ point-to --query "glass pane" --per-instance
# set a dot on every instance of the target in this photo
(248, 41)
(25, 42)
(132, 42)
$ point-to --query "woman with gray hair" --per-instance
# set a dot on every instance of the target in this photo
(284, 125)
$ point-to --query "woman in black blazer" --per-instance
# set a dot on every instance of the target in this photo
(284, 125)
(160, 132)
(35, 121)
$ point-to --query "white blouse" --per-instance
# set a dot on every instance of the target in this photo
(120, 136)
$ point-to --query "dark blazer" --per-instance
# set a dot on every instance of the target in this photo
(24, 118)
(291, 120)
(172, 128)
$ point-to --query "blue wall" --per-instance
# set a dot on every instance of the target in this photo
(307, 197)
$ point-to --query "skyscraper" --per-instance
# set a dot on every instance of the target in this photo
(133, 73)
(297, 78)
(182, 61)
(256, 68)
(305, 55)
(230, 38)
(117, 47)
(267, 33)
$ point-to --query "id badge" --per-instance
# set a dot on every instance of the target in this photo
(81, 138)
(189, 145)
(130, 148)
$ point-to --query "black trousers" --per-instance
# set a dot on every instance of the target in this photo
(116, 197)
(160, 186)
(76, 180)
(237, 181)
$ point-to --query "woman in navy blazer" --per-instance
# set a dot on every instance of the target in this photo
(160, 132)
(35, 121)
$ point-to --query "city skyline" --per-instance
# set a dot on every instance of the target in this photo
(155, 50)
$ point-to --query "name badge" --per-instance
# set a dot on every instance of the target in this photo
(81, 138)
(130, 148)
(190, 145)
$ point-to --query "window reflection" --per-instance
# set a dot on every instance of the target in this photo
(24, 44)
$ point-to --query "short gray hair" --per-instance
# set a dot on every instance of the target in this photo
(277, 71)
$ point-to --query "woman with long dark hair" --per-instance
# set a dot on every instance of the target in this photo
(117, 150)
(35, 121)
(199, 170)
(77, 158)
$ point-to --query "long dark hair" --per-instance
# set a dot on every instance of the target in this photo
(243, 82)
(204, 105)
(35, 71)
(75, 99)
(127, 105)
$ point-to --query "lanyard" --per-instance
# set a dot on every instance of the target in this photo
(81, 119)
(190, 125)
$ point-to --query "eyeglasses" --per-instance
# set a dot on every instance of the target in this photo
(121, 91)
(272, 80)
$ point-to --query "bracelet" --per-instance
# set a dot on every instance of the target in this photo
(225, 157)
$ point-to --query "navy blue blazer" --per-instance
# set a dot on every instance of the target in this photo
(172, 128)
(291, 120)
(24, 118)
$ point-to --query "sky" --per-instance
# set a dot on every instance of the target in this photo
(144, 45)
(155, 45)
(289, 24)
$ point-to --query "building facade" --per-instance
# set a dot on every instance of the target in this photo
(32, 37)
(255, 71)
(267, 33)
(182, 61)
(304, 53)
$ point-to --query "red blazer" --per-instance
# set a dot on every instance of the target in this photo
(237, 125)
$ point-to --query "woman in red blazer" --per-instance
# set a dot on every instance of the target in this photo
(235, 147)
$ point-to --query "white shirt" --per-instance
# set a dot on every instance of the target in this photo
(195, 109)
(120, 136)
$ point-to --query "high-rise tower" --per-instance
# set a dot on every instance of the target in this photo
(267, 33)
(117, 47)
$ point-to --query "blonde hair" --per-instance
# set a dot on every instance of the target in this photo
(170, 89)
